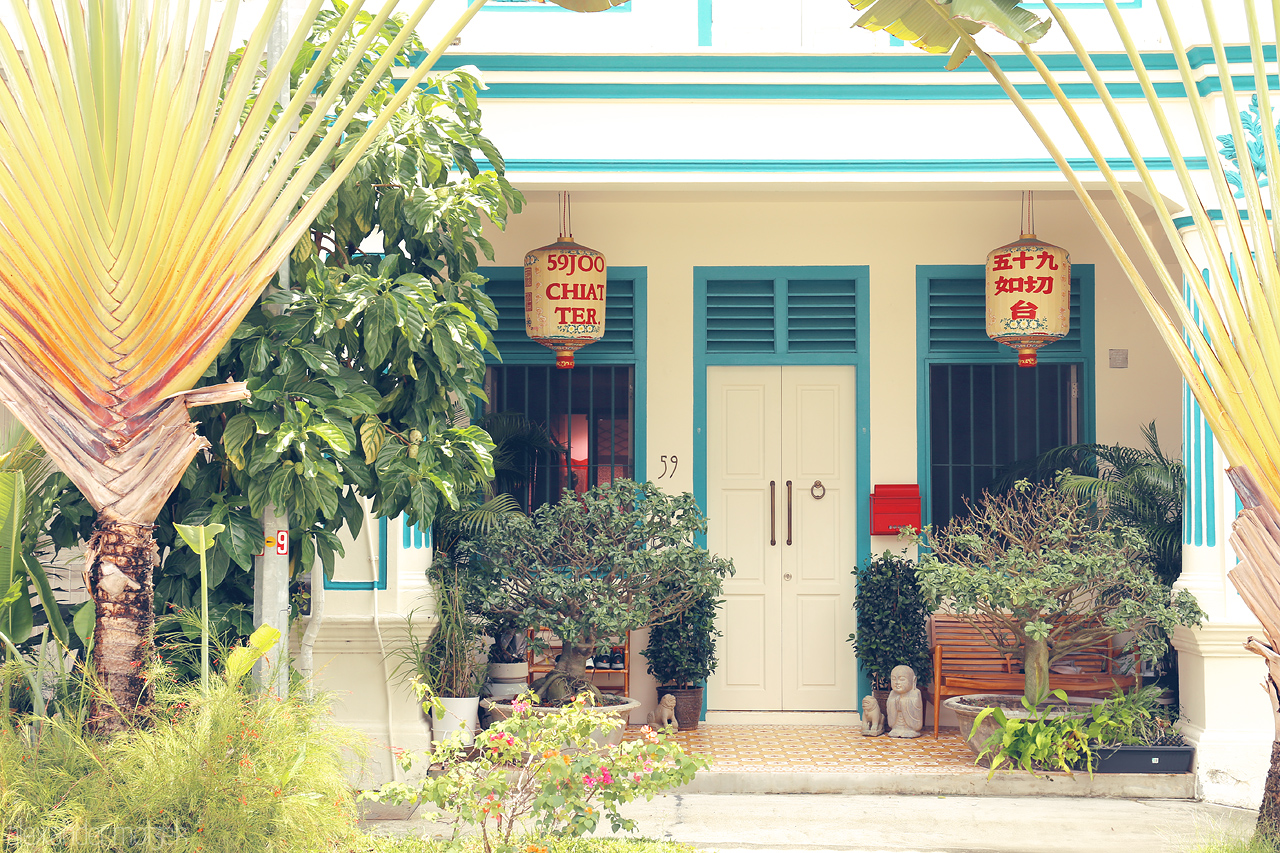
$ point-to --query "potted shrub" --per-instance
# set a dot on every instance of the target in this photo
(448, 664)
(593, 566)
(682, 654)
(891, 621)
(1040, 577)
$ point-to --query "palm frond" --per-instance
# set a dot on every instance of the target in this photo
(144, 206)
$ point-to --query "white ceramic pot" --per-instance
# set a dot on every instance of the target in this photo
(507, 680)
(459, 714)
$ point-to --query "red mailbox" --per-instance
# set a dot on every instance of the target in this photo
(894, 507)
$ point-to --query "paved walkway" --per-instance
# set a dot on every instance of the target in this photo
(860, 823)
(812, 823)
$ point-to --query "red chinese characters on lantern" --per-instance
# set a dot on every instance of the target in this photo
(564, 298)
(1021, 269)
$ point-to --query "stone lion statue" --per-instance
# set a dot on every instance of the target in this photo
(872, 718)
(664, 716)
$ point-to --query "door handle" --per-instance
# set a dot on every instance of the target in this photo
(788, 512)
(773, 506)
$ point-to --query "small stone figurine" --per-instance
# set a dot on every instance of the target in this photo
(872, 718)
(904, 709)
(664, 715)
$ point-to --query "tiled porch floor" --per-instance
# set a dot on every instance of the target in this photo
(824, 749)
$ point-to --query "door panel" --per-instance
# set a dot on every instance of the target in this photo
(789, 608)
(743, 448)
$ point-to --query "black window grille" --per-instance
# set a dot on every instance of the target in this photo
(588, 412)
(986, 416)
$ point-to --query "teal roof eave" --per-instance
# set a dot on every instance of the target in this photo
(937, 166)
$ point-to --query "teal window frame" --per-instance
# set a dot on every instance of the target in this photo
(1082, 273)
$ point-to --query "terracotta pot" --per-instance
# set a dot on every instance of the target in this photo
(688, 705)
(502, 710)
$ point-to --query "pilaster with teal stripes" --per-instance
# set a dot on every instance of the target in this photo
(1200, 512)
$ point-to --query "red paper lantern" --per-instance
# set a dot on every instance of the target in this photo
(1028, 296)
(564, 288)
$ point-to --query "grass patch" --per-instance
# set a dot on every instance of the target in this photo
(231, 772)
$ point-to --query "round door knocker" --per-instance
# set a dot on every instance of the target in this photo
(818, 490)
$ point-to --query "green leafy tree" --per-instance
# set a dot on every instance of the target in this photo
(1041, 579)
(359, 367)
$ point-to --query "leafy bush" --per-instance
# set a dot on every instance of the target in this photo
(545, 770)
(1044, 739)
(682, 651)
(232, 771)
(891, 620)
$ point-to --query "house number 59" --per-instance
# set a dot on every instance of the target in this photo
(675, 462)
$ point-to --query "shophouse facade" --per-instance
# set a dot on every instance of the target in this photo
(796, 215)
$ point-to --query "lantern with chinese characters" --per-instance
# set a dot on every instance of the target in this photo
(1028, 296)
(564, 297)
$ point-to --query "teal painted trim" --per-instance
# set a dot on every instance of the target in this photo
(1085, 357)
(413, 536)
(861, 360)
(904, 63)
(931, 166)
(968, 92)
(704, 40)
(532, 6)
(640, 313)
(1067, 4)
(381, 582)
(1215, 215)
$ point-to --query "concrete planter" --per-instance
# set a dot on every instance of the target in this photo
(507, 680)
(502, 710)
(1143, 759)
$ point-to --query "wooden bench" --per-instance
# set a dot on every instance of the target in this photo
(964, 663)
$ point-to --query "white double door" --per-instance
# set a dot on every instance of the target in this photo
(781, 449)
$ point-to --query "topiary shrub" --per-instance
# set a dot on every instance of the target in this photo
(891, 620)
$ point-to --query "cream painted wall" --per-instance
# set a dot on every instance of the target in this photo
(891, 236)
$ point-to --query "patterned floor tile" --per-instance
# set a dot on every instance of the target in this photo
(823, 749)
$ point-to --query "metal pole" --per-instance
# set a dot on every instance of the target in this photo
(271, 570)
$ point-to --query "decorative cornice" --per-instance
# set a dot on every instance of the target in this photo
(1220, 640)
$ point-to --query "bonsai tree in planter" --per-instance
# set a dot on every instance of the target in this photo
(682, 654)
(891, 620)
(593, 566)
(1041, 577)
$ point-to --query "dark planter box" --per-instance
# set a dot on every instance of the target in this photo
(1143, 759)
